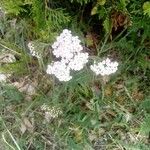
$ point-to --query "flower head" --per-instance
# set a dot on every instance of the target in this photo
(68, 48)
(78, 62)
(32, 50)
(51, 112)
(106, 67)
(66, 45)
(60, 70)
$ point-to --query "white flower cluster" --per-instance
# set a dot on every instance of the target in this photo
(51, 112)
(60, 70)
(32, 50)
(69, 50)
(106, 67)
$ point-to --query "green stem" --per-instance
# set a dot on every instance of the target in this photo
(103, 92)
(9, 49)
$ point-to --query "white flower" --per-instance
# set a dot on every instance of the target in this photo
(51, 112)
(60, 70)
(3, 77)
(32, 50)
(78, 62)
(69, 50)
(106, 67)
(66, 45)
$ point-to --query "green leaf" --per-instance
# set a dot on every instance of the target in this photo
(124, 3)
(98, 7)
(94, 10)
(13, 6)
(146, 8)
(11, 94)
(101, 2)
(107, 25)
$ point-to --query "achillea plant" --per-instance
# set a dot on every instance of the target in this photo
(69, 52)
(106, 67)
(32, 50)
(51, 112)
(68, 49)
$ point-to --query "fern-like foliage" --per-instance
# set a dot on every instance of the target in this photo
(42, 19)
(12, 6)
(146, 8)
(57, 17)
(38, 13)
(48, 18)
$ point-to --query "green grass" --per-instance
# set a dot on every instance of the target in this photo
(92, 118)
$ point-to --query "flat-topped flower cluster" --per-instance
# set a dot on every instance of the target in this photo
(51, 112)
(70, 57)
(70, 52)
(32, 50)
(105, 67)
